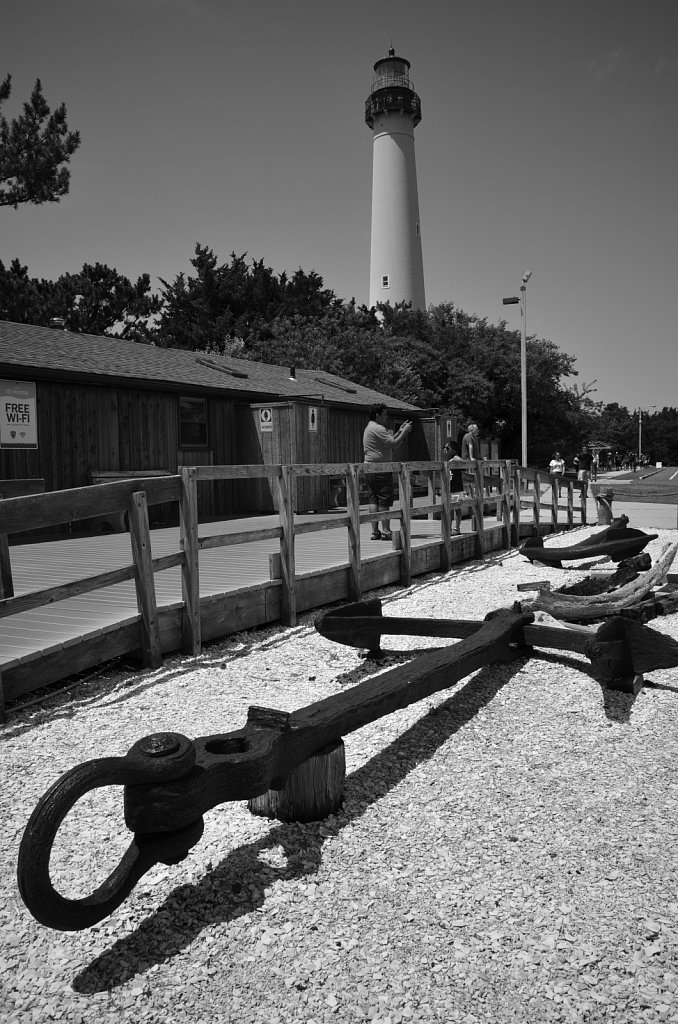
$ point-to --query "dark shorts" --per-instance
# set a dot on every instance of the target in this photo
(380, 488)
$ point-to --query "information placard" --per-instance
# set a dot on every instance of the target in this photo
(18, 414)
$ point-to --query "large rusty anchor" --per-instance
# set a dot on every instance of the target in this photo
(171, 782)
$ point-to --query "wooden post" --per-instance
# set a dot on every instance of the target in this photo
(570, 505)
(190, 570)
(405, 492)
(517, 490)
(554, 504)
(3, 713)
(505, 478)
(288, 598)
(274, 570)
(311, 791)
(140, 538)
(445, 519)
(583, 487)
(353, 509)
(478, 510)
(536, 502)
(6, 581)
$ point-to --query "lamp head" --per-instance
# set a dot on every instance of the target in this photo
(527, 276)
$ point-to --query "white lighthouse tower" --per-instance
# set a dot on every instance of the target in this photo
(391, 111)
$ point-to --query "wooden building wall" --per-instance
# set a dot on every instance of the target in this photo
(88, 428)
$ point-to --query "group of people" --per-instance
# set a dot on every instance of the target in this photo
(586, 464)
(378, 444)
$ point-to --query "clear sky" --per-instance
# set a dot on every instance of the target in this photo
(547, 143)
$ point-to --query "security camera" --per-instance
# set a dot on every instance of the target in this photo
(527, 276)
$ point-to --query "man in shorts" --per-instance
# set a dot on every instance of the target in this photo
(582, 462)
(378, 444)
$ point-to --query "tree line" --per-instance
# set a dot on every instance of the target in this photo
(441, 358)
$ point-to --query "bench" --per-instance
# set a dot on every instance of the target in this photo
(116, 522)
(14, 489)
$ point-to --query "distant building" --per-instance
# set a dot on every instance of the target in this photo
(392, 110)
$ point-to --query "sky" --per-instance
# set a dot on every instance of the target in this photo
(548, 143)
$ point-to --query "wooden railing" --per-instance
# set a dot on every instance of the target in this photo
(492, 487)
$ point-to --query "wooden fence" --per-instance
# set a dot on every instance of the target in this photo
(494, 487)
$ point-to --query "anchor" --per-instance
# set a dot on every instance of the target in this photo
(170, 781)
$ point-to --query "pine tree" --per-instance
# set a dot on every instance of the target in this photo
(34, 149)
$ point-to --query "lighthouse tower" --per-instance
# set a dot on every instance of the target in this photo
(392, 110)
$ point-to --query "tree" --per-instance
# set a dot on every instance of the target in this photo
(34, 150)
(98, 300)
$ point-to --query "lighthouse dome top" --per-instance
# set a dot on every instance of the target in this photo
(391, 71)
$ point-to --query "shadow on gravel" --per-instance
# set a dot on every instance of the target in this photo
(617, 706)
(238, 884)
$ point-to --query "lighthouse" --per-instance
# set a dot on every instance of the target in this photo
(392, 110)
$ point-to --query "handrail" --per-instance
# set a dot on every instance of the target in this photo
(496, 485)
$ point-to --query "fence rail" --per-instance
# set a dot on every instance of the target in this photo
(497, 487)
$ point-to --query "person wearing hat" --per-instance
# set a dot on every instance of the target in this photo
(470, 442)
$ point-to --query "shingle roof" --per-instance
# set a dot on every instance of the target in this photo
(25, 348)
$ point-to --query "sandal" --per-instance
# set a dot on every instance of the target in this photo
(386, 536)
(377, 536)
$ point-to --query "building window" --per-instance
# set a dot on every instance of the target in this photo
(417, 230)
(384, 281)
(192, 422)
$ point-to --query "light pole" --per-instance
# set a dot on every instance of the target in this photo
(523, 361)
(640, 429)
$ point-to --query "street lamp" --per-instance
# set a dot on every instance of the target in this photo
(523, 361)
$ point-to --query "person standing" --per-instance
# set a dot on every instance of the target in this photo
(557, 469)
(582, 463)
(470, 442)
(378, 444)
(456, 477)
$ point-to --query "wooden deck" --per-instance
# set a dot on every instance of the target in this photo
(64, 623)
(52, 563)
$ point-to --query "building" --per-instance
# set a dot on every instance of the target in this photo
(392, 110)
(74, 405)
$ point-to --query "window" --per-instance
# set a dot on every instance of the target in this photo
(384, 281)
(418, 232)
(192, 422)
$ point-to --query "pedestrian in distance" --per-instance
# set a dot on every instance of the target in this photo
(378, 445)
(582, 463)
(451, 453)
(470, 442)
(557, 470)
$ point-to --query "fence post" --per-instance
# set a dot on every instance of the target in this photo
(583, 488)
(516, 496)
(536, 501)
(505, 477)
(353, 509)
(6, 581)
(405, 495)
(445, 519)
(140, 539)
(555, 484)
(288, 597)
(190, 570)
(570, 505)
(478, 510)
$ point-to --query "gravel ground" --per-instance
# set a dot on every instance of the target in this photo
(506, 850)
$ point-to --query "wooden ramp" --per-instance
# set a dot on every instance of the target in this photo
(52, 563)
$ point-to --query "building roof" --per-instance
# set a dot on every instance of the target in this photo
(45, 353)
